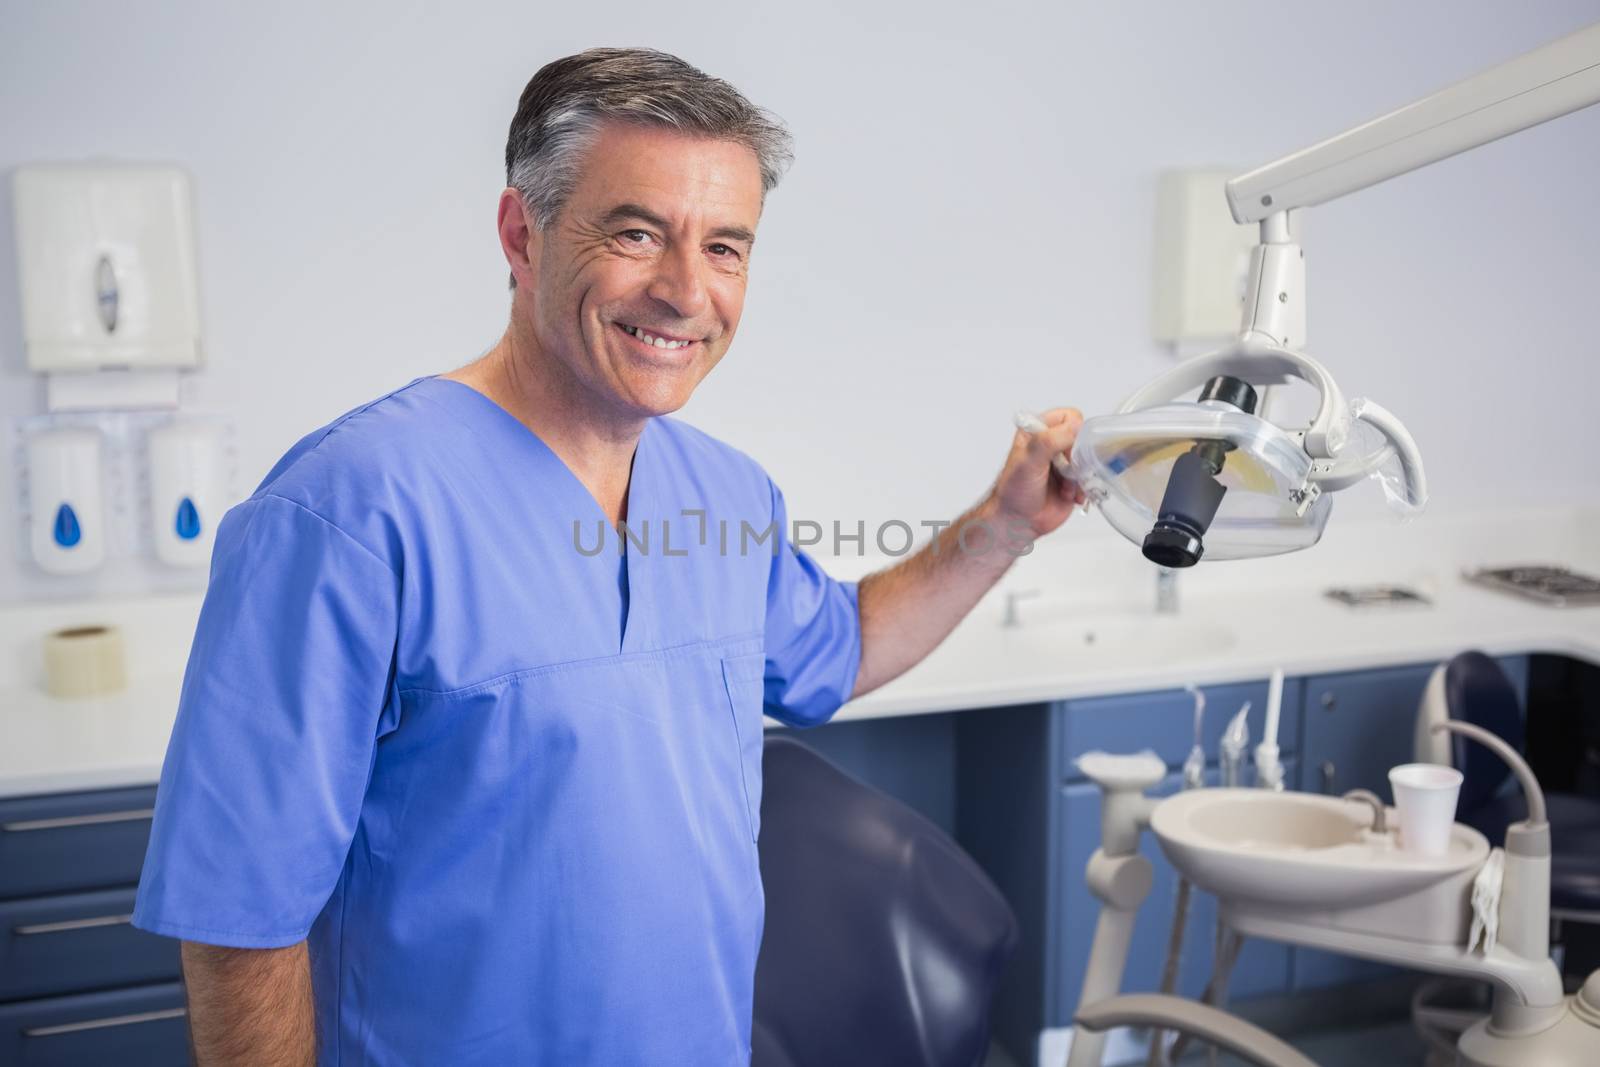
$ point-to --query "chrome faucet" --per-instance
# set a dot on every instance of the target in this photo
(1166, 591)
(1013, 597)
(1380, 815)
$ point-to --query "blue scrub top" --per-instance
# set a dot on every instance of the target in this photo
(508, 785)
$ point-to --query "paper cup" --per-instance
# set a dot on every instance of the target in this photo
(1425, 794)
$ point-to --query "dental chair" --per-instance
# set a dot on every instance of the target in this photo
(883, 939)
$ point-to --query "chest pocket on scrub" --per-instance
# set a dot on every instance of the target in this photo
(742, 675)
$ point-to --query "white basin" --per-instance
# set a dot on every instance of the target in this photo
(1298, 849)
(1104, 641)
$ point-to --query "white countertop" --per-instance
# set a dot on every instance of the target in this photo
(1236, 621)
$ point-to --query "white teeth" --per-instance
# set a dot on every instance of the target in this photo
(651, 339)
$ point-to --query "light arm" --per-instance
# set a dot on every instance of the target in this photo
(1548, 82)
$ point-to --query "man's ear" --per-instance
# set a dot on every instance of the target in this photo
(519, 236)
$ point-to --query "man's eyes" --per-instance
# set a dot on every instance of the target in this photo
(638, 239)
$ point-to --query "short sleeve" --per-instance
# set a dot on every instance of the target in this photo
(287, 688)
(813, 633)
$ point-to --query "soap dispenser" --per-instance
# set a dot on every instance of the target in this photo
(187, 491)
(66, 500)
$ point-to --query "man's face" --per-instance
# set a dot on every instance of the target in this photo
(655, 240)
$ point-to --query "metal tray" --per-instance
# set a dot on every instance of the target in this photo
(1378, 596)
(1555, 586)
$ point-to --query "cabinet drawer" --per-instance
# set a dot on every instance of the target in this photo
(73, 841)
(1164, 722)
(1359, 725)
(140, 1027)
(70, 944)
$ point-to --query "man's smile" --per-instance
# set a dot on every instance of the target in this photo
(661, 346)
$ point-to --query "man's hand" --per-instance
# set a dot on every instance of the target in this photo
(1029, 494)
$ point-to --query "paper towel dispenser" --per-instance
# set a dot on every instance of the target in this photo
(106, 260)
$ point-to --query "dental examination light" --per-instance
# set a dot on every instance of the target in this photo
(1214, 477)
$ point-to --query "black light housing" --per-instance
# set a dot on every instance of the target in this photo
(1193, 493)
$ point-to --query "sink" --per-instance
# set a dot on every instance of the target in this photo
(1111, 641)
(1298, 849)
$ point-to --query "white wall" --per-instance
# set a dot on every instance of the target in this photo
(967, 228)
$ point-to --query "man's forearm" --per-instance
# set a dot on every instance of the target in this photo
(249, 1005)
(909, 608)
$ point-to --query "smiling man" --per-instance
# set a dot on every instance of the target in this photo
(447, 786)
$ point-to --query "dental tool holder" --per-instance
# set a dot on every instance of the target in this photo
(1231, 750)
(1269, 768)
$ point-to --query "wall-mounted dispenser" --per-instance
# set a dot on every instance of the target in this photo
(67, 517)
(106, 260)
(188, 490)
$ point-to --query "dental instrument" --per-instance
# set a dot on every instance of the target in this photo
(1194, 766)
(1230, 753)
(1213, 477)
(1269, 769)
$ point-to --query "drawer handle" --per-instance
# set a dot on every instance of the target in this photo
(25, 825)
(70, 924)
(100, 1024)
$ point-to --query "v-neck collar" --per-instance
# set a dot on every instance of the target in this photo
(469, 402)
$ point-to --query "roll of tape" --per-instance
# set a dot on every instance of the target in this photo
(84, 661)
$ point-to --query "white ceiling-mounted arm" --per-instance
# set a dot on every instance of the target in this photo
(1275, 307)
(1548, 82)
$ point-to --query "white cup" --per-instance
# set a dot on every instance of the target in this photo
(1425, 794)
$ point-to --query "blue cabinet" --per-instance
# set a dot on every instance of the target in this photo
(133, 1027)
(78, 984)
(64, 944)
(1357, 726)
(73, 841)
(1360, 724)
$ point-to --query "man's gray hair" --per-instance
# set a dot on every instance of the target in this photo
(568, 100)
